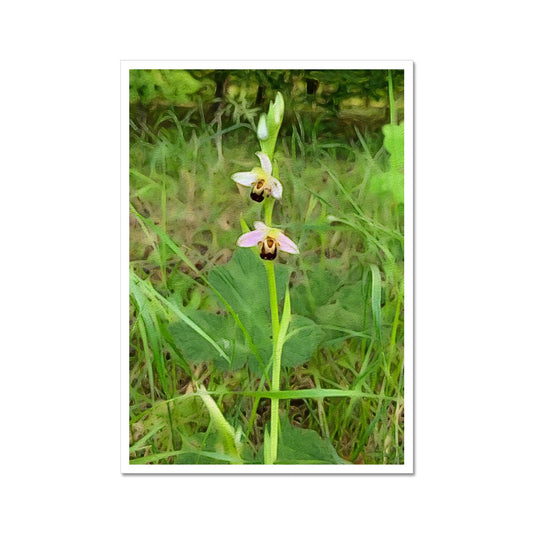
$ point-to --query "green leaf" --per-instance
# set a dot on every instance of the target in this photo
(302, 340)
(154, 339)
(285, 318)
(340, 317)
(149, 328)
(391, 182)
(343, 312)
(243, 282)
(142, 441)
(304, 446)
(267, 453)
(222, 329)
(352, 298)
(322, 284)
(394, 143)
(227, 434)
(315, 393)
(185, 457)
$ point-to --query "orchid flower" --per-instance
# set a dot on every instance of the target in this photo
(268, 240)
(260, 180)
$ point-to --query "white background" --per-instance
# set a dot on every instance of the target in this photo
(60, 140)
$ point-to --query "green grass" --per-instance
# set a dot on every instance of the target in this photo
(195, 322)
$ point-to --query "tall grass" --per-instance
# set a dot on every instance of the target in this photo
(199, 385)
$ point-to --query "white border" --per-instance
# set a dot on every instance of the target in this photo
(408, 467)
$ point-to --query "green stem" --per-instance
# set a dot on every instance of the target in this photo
(276, 364)
(274, 119)
(269, 207)
(274, 404)
(274, 314)
(392, 105)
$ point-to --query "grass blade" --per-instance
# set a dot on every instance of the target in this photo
(376, 299)
(177, 311)
(227, 433)
(134, 447)
(165, 455)
(315, 393)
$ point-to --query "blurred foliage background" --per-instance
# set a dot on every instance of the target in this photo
(339, 98)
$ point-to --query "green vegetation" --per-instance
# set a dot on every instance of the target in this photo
(201, 333)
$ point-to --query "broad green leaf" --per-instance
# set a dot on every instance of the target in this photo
(302, 340)
(394, 144)
(320, 289)
(391, 182)
(336, 315)
(304, 446)
(352, 298)
(219, 327)
(323, 284)
(243, 282)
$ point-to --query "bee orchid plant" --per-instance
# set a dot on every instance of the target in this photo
(266, 189)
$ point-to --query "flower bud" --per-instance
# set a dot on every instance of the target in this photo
(279, 107)
(262, 130)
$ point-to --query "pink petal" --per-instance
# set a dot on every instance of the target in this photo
(263, 227)
(277, 189)
(251, 238)
(245, 178)
(286, 245)
(266, 165)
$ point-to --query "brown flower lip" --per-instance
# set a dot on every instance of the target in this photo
(269, 248)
